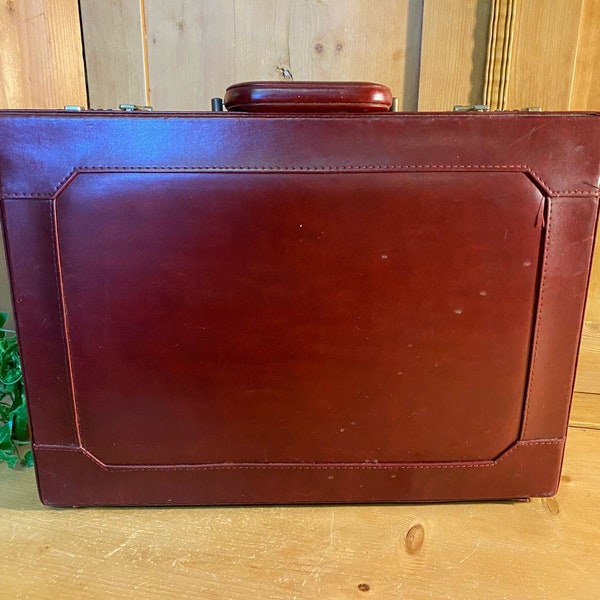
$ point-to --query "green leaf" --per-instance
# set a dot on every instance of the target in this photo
(10, 458)
(5, 436)
(10, 363)
(20, 428)
(5, 410)
(27, 460)
(7, 450)
(14, 423)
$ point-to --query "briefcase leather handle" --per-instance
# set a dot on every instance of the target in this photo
(308, 97)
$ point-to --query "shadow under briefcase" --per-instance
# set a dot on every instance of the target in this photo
(308, 298)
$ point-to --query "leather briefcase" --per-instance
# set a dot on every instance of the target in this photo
(307, 298)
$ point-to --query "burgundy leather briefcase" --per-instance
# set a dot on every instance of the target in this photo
(307, 298)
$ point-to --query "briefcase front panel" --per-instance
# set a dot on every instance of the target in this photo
(306, 329)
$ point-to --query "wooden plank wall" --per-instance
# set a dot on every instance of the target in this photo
(195, 49)
(115, 52)
(453, 53)
(41, 59)
(544, 54)
(431, 53)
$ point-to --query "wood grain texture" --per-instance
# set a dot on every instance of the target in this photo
(512, 551)
(453, 53)
(588, 366)
(499, 53)
(114, 52)
(585, 92)
(585, 411)
(196, 49)
(262, 39)
(41, 59)
(190, 52)
(544, 54)
(592, 309)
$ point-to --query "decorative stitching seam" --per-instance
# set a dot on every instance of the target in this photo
(301, 467)
(518, 168)
(547, 249)
(325, 169)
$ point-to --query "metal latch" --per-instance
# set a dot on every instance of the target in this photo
(134, 107)
(471, 108)
(485, 108)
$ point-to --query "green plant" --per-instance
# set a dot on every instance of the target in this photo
(14, 424)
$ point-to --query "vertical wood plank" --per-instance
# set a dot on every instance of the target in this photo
(585, 93)
(592, 309)
(191, 54)
(114, 52)
(545, 50)
(453, 53)
(41, 59)
(263, 29)
(588, 366)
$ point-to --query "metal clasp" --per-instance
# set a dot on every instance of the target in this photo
(471, 108)
(134, 107)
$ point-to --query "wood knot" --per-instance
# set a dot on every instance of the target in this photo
(319, 48)
(364, 587)
(414, 539)
(551, 505)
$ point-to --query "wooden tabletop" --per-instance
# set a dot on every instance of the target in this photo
(539, 549)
